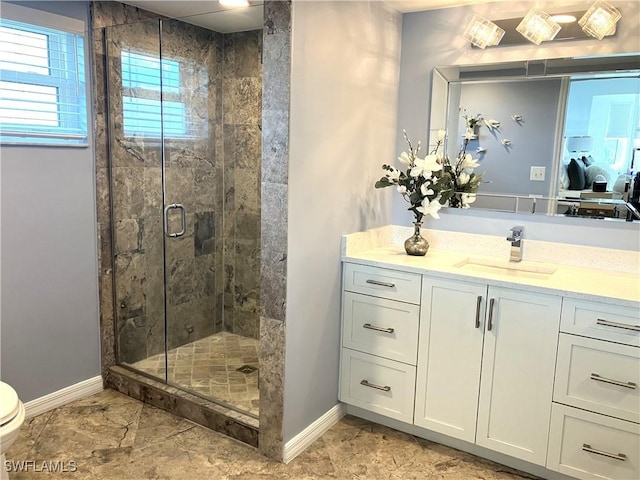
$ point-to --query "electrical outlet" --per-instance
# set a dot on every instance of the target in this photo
(537, 174)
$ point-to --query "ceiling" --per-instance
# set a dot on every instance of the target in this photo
(210, 14)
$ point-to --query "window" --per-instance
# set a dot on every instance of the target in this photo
(152, 102)
(143, 93)
(42, 85)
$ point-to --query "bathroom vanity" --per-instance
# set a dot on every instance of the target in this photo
(538, 362)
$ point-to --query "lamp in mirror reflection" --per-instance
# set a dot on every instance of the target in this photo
(537, 26)
(482, 32)
(579, 144)
(600, 20)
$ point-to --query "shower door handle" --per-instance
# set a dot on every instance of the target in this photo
(183, 219)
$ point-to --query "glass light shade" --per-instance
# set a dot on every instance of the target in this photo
(537, 26)
(234, 3)
(579, 144)
(600, 20)
(482, 32)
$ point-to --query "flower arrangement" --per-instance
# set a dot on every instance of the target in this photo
(431, 182)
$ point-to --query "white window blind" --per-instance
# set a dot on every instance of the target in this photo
(42, 85)
(152, 100)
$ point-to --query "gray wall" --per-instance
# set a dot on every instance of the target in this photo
(49, 288)
(344, 77)
(433, 38)
(507, 169)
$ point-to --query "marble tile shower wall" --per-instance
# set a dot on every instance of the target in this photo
(216, 263)
(242, 117)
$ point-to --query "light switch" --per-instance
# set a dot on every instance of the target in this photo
(537, 174)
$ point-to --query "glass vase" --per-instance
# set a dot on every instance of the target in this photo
(416, 245)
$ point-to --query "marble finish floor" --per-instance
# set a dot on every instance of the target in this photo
(209, 367)
(110, 436)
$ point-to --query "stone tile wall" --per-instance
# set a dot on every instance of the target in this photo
(242, 104)
(274, 185)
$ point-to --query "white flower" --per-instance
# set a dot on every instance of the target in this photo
(402, 189)
(469, 134)
(441, 135)
(430, 208)
(468, 162)
(393, 175)
(404, 158)
(426, 166)
(467, 198)
(463, 178)
(426, 190)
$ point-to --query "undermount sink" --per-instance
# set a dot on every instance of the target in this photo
(511, 269)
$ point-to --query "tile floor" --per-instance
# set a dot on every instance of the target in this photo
(112, 437)
(209, 367)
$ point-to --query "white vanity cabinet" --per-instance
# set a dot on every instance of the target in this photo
(487, 359)
(547, 379)
(595, 431)
(380, 317)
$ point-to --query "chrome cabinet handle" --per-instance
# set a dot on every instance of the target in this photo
(183, 220)
(478, 311)
(378, 329)
(598, 378)
(617, 456)
(385, 388)
(626, 326)
(490, 322)
(381, 284)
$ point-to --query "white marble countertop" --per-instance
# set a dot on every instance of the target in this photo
(596, 284)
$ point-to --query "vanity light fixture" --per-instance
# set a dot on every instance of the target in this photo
(482, 32)
(600, 20)
(563, 18)
(234, 3)
(537, 26)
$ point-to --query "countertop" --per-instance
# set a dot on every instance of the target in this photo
(594, 284)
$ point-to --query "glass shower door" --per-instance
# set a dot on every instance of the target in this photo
(135, 132)
(193, 207)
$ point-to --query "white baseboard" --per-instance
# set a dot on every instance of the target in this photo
(63, 396)
(305, 438)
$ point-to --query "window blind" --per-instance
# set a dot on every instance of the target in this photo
(153, 100)
(42, 85)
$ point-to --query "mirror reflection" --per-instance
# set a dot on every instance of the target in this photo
(557, 137)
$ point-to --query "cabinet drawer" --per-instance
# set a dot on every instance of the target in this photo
(588, 446)
(381, 327)
(599, 320)
(378, 385)
(382, 282)
(600, 376)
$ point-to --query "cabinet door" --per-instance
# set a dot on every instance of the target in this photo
(518, 365)
(449, 358)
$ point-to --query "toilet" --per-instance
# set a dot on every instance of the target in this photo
(11, 419)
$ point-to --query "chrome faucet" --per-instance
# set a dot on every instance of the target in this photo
(515, 238)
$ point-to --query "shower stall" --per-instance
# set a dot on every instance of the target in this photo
(183, 128)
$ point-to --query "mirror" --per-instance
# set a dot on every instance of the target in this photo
(544, 114)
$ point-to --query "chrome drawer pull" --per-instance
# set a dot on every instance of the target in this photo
(598, 378)
(478, 311)
(386, 388)
(626, 326)
(617, 456)
(378, 329)
(381, 284)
